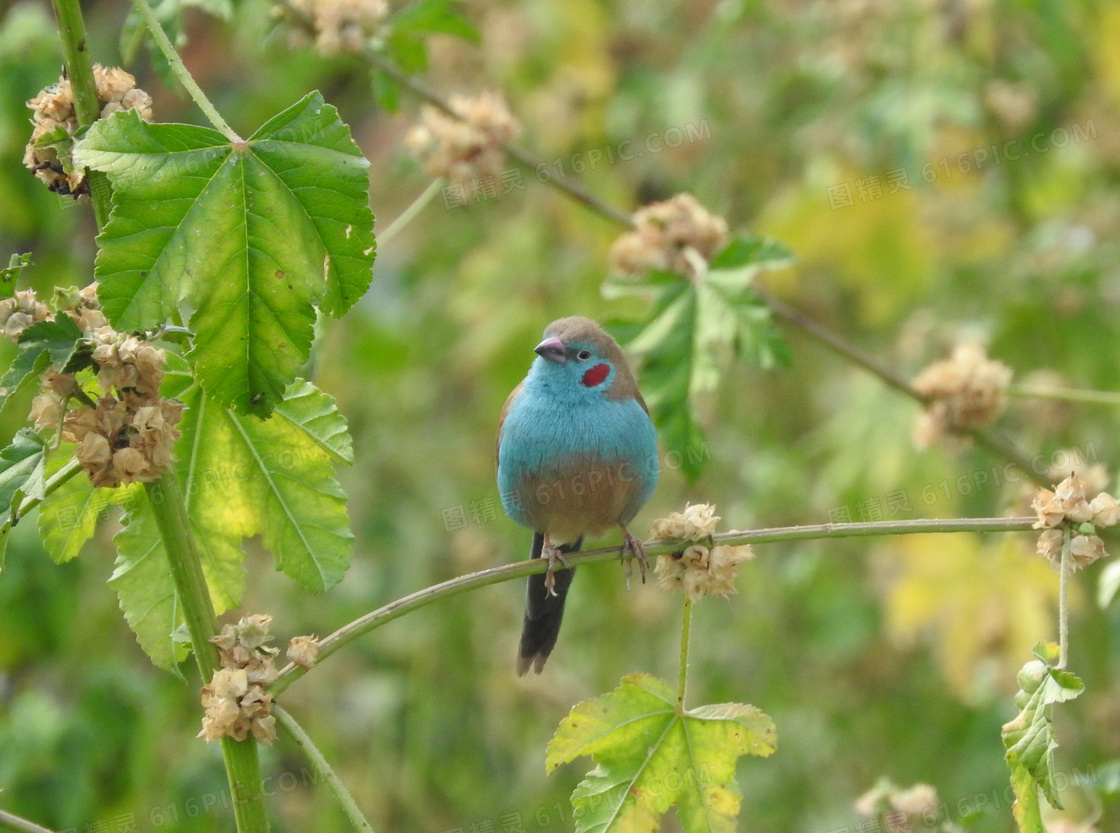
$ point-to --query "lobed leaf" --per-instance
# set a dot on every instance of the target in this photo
(252, 234)
(693, 328)
(650, 757)
(1030, 739)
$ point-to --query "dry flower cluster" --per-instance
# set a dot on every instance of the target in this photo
(128, 434)
(912, 809)
(236, 701)
(468, 147)
(20, 312)
(1068, 507)
(678, 236)
(47, 154)
(334, 26)
(700, 569)
(965, 392)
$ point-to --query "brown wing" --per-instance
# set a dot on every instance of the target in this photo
(502, 419)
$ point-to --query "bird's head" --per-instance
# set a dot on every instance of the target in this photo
(577, 359)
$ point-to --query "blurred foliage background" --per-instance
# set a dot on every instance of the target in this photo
(892, 657)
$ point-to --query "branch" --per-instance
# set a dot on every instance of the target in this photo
(519, 155)
(496, 575)
(985, 437)
(14, 822)
(308, 747)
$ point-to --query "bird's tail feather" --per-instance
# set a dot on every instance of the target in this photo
(543, 611)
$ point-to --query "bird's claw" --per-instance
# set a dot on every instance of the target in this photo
(556, 560)
(633, 549)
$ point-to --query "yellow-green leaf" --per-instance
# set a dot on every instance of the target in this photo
(651, 758)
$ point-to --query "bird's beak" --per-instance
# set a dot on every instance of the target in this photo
(552, 350)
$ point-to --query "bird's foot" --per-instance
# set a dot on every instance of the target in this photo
(633, 549)
(556, 560)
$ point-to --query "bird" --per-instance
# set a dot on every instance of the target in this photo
(577, 456)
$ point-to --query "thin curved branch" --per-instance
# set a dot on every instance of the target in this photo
(496, 575)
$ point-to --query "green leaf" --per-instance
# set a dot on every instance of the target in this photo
(750, 249)
(405, 43)
(429, 16)
(695, 327)
(56, 339)
(651, 758)
(273, 478)
(9, 276)
(68, 516)
(253, 235)
(21, 476)
(144, 586)
(240, 477)
(1030, 739)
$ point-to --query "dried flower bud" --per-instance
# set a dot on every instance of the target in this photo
(21, 311)
(964, 392)
(335, 26)
(1085, 549)
(469, 146)
(1050, 545)
(678, 236)
(264, 729)
(698, 570)
(1071, 492)
(1105, 509)
(696, 523)
(915, 801)
(47, 153)
(303, 650)
(1049, 508)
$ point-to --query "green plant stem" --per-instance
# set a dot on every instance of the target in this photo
(686, 627)
(87, 107)
(180, 71)
(1081, 397)
(307, 746)
(14, 822)
(410, 213)
(1063, 599)
(241, 759)
(496, 575)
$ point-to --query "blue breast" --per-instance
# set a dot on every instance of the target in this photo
(546, 432)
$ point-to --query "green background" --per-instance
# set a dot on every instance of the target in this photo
(892, 657)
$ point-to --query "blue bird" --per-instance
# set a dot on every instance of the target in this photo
(577, 455)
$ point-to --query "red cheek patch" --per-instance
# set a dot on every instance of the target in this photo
(596, 375)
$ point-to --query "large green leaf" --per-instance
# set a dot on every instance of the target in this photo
(241, 476)
(252, 234)
(651, 757)
(1030, 739)
(273, 478)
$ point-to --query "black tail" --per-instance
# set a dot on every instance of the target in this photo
(543, 612)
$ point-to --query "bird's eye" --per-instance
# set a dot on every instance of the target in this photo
(583, 355)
